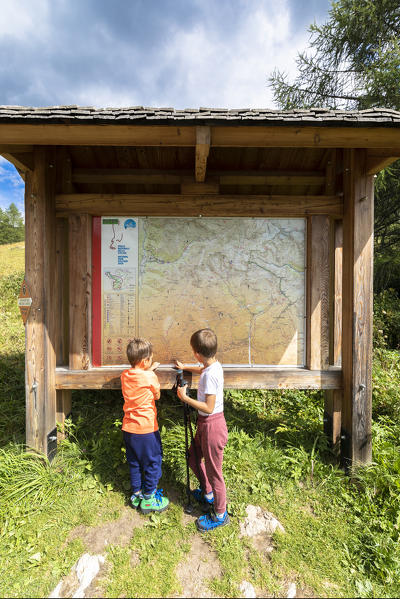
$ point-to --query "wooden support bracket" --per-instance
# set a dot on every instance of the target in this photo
(203, 140)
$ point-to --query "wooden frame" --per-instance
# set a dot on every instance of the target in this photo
(234, 378)
(333, 191)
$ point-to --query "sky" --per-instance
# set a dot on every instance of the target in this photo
(177, 53)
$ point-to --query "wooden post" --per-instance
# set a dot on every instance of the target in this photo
(357, 309)
(318, 293)
(333, 397)
(63, 408)
(40, 227)
(80, 245)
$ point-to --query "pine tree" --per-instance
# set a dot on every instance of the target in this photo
(354, 63)
(11, 225)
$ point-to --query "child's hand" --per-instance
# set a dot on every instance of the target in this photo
(154, 365)
(179, 364)
(181, 392)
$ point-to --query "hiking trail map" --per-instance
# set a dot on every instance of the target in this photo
(163, 278)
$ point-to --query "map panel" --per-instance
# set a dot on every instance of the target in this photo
(242, 277)
(119, 259)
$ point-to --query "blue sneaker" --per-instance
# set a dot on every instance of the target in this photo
(211, 521)
(202, 499)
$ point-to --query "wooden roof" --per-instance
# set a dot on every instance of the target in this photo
(139, 152)
(381, 117)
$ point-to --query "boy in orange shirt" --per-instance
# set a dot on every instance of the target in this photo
(140, 388)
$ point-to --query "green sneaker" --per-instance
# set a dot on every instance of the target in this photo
(155, 503)
(136, 499)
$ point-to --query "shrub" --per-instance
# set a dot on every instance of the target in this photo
(387, 319)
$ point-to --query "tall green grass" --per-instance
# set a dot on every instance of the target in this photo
(342, 534)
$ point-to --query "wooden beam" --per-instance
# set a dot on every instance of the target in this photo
(266, 136)
(193, 188)
(98, 135)
(40, 244)
(21, 160)
(305, 137)
(61, 297)
(234, 378)
(11, 148)
(358, 221)
(334, 398)
(333, 417)
(203, 205)
(65, 182)
(271, 179)
(318, 293)
(176, 177)
(203, 140)
(336, 309)
(129, 176)
(80, 231)
(375, 164)
(64, 407)
(330, 174)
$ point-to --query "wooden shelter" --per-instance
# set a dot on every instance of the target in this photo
(316, 164)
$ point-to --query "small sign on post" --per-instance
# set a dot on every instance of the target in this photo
(24, 301)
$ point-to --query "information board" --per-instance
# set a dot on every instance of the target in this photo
(164, 278)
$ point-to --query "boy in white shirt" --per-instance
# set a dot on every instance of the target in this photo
(212, 434)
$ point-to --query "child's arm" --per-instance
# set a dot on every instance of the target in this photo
(207, 406)
(197, 369)
(154, 365)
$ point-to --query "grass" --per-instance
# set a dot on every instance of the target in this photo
(341, 539)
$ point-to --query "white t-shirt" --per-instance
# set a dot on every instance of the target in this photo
(212, 383)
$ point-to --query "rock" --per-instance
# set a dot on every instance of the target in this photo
(55, 593)
(247, 589)
(259, 521)
(79, 579)
(291, 591)
(87, 568)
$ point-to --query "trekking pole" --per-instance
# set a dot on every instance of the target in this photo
(180, 382)
(186, 416)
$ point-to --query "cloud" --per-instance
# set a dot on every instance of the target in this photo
(182, 53)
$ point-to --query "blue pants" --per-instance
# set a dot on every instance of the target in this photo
(144, 456)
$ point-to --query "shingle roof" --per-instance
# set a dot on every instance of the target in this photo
(382, 117)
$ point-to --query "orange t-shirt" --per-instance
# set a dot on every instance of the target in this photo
(140, 389)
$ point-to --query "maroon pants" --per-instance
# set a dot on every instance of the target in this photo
(210, 440)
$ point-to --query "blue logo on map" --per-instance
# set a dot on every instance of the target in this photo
(129, 223)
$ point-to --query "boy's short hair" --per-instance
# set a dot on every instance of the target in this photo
(204, 342)
(138, 349)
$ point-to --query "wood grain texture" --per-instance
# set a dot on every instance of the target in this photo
(234, 378)
(79, 291)
(175, 177)
(21, 160)
(191, 187)
(203, 140)
(192, 205)
(378, 159)
(61, 299)
(40, 243)
(64, 407)
(333, 417)
(357, 309)
(318, 293)
(65, 183)
(330, 173)
(337, 293)
(266, 136)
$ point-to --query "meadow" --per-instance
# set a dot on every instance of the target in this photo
(342, 533)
